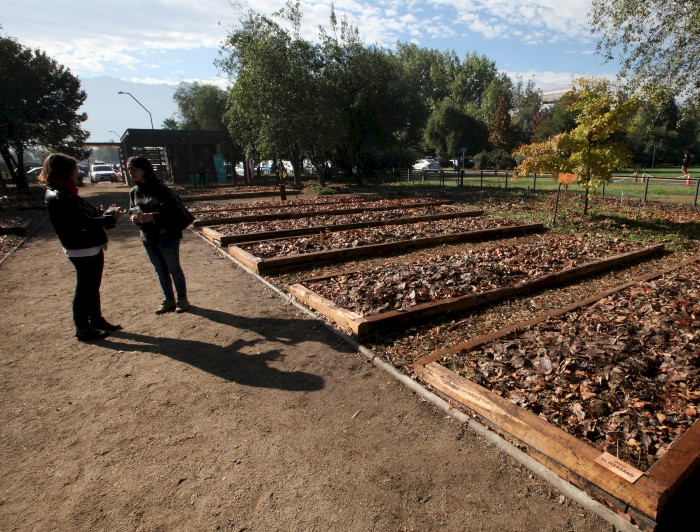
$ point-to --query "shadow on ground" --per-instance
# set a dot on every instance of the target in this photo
(226, 362)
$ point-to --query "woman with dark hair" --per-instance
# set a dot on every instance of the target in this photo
(155, 210)
(81, 230)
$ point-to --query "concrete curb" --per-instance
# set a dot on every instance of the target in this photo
(566, 488)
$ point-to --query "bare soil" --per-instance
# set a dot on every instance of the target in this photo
(242, 414)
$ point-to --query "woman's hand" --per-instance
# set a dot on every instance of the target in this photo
(115, 211)
(142, 218)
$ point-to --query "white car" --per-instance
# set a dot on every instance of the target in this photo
(426, 164)
(33, 174)
(102, 172)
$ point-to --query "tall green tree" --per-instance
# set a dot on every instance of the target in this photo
(200, 106)
(39, 103)
(592, 150)
(449, 129)
(654, 137)
(656, 41)
(382, 109)
(274, 101)
(434, 71)
(526, 100)
(472, 77)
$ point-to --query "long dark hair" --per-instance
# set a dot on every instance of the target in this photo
(149, 175)
(58, 167)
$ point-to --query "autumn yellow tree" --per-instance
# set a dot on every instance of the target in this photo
(591, 150)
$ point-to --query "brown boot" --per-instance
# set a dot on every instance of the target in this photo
(182, 304)
(168, 305)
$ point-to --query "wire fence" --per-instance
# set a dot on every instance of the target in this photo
(645, 187)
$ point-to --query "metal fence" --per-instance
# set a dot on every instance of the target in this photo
(645, 187)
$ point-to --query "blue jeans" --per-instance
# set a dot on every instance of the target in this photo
(165, 257)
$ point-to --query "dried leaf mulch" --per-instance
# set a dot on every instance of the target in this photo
(469, 272)
(282, 208)
(24, 209)
(215, 191)
(622, 374)
(331, 219)
(203, 207)
(364, 237)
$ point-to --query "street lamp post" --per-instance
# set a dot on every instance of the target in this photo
(138, 102)
(117, 134)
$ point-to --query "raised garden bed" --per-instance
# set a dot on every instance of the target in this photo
(373, 301)
(217, 195)
(218, 207)
(597, 390)
(311, 212)
(224, 235)
(14, 226)
(272, 256)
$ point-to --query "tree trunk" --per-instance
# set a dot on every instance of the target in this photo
(20, 178)
(9, 161)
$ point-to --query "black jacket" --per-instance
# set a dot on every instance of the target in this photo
(157, 199)
(78, 224)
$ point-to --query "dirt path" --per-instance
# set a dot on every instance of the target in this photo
(242, 414)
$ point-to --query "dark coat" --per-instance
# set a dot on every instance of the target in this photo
(157, 199)
(78, 224)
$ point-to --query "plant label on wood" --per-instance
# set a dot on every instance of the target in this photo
(620, 468)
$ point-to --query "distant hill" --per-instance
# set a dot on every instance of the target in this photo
(107, 110)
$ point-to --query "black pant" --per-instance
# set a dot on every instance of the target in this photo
(86, 301)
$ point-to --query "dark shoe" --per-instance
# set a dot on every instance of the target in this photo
(168, 305)
(105, 325)
(90, 334)
(182, 304)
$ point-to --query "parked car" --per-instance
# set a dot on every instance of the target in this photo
(33, 174)
(426, 164)
(102, 172)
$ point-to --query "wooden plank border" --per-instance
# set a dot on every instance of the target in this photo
(224, 240)
(285, 205)
(570, 458)
(241, 195)
(296, 262)
(366, 326)
(311, 214)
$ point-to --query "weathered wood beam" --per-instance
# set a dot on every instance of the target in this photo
(224, 240)
(295, 262)
(311, 214)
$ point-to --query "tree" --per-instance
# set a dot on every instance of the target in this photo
(526, 102)
(472, 78)
(382, 109)
(654, 137)
(656, 41)
(503, 134)
(449, 129)
(433, 71)
(592, 149)
(274, 103)
(39, 102)
(559, 119)
(200, 106)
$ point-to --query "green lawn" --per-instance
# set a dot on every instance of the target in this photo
(665, 184)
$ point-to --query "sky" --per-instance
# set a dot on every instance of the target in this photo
(147, 48)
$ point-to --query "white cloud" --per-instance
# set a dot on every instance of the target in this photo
(92, 38)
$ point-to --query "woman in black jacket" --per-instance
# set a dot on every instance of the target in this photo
(81, 230)
(155, 211)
